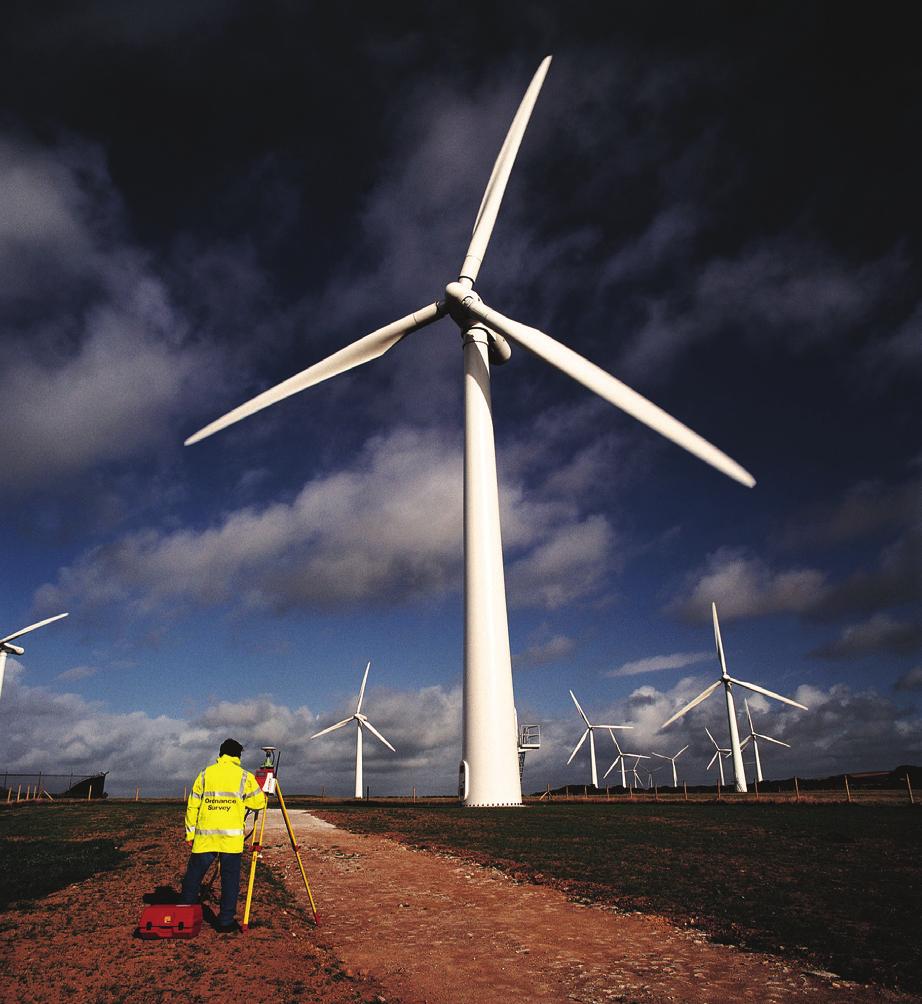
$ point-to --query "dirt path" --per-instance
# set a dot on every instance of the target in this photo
(434, 929)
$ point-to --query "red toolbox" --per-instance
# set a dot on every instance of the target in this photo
(170, 920)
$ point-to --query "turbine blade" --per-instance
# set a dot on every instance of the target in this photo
(604, 384)
(640, 756)
(582, 739)
(615, 741)
(743, 744)
(610, 769)
(713, 740)
(681, 751)
(31, 627)
(496, 186)
(713, 758)
(376, 733)
(363, 351)
(610, 727)
(362, 691)
(720, 646)
(580, 710)
(752, 728)
(333, 728)
(662, 756)
(769, 739)
(769, 693)
(703, 696)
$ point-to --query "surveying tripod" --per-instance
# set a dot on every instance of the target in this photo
(267, 777)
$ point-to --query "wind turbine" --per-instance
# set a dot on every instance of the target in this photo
(672, 760)
(727, 682)
(620, 759)
(720, 755)
(754, 738)
(637, 782)
(589, 730)
(488, 773)
(7, 648)
(361, 722)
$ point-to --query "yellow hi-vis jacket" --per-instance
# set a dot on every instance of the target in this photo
(220, 797)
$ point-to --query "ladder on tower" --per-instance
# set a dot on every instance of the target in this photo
(529, 738)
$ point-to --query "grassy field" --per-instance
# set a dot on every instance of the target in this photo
(837, 885)
(45, 848)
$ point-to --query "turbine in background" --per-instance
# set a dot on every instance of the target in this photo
(488, 773)
(620, 759)
(361, 722)
(720, 754)
(727, 681)
(754, 738)
(589, 730)
(672, 760)
(7, 648)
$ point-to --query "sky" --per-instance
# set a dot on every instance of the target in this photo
(719, 205)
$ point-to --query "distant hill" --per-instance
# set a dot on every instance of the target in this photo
(864, 780)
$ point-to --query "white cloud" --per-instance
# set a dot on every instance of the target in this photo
(655, 663)
(744, 586)
(386, 528)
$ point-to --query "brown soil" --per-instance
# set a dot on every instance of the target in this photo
(398, 925)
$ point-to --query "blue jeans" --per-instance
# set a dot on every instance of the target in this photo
(230, 881)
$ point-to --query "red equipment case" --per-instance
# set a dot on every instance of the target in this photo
(170, 920)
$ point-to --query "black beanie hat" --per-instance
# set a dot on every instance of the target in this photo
(230, 747)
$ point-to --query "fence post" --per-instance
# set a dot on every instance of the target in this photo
(89, 794)
(796, 791)
(756, 783)
(912, 801)
(549, 791)
(607, 793)
(137, 793)
(655, 793)
(19, 791)
(323, 791)
(185, 797)
(685, 790)
(718, 789)
(848, 793)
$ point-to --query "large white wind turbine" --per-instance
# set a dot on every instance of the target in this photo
(720, 754)
(489, 773)
(590, 728)
(7, 648)
(672, 760)
(361, 722)
(727, 682)
(754, 738)
(620, 759)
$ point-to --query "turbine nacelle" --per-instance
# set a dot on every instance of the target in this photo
(12, 649)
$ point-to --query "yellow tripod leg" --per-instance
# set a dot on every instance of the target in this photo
(294, 845)
(257, 847)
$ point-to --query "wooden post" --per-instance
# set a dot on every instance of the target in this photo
(655, 793)
(414, 792)
(685, 790)
(19, 791)
(848, 793)
(585, 791)
(89, 794)
(912, 801)
(323, 791)
(756, 783)
(607, 793)
(185, 789)
(137, 793)
(630, 792)
(796, 791)
(9, 795)
(549, 791)
(718, 789)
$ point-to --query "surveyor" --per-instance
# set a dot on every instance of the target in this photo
(221, 795)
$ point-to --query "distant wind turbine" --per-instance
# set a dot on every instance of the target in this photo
(727, 682)
(361, 722)
(720, 754)
(620, 759)
(489, 769)
(672, 760)
(590, 728)
(7, 648)
(754, 738)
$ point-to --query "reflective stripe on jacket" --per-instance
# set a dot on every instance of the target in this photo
(217, 805)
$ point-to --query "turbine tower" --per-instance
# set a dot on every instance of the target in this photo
(672, 760)
(727, 682)
(361, 722)
(754, 738)
(7, 648)
(620, 759)
(488, 773)
(590, 728)
(720, 754)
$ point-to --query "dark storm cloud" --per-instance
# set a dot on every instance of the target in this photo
(880, 633)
